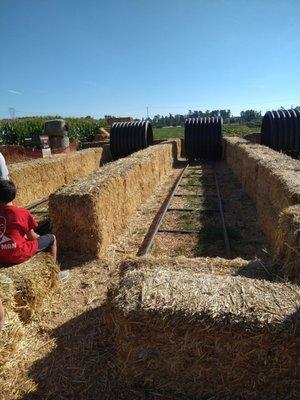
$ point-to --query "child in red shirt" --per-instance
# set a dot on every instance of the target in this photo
(18, 241)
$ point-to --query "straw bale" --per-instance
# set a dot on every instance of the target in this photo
(270, 178)
(253, 137)
(201, 335)
(7, 291)
(267, 215)
(22, 290)
(89, 214)
(103, 134)
(276, 174)
(36, 179)
(205, 265)
(11, 336)
(288, 243)
(32, 282)
(19, 345)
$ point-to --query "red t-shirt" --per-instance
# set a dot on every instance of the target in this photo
(15, 223)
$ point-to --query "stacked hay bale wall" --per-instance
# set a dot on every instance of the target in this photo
(205, 336)
(272, 180)
(38, 178)
(89, 214)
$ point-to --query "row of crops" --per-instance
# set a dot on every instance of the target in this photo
(15, 131)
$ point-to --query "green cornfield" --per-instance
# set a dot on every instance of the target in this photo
(15, 131)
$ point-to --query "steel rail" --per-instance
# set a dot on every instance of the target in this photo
(194, 195)
(160, 219)
(180, 231)
(199, 210)
(44, 223)
(37, 203)
(187, 185)
(225, 233)
(166, 208)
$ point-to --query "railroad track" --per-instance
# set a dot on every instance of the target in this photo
(190, 171)
(44, 226)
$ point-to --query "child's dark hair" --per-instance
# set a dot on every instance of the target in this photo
(7, 191)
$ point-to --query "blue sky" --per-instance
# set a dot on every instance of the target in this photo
(89, 57)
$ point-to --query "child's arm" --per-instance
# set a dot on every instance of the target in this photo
(31, 235)
(31, 225)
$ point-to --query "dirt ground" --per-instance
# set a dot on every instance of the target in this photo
(246, 239)
(14, 154)
(72, 357)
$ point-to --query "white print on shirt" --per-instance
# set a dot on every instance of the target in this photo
(4, 239)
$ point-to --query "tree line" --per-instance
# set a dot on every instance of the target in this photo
(252, 117)
(246, 116)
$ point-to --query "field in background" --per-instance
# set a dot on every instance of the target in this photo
(228, 130)
(15, 131)
(86, 129)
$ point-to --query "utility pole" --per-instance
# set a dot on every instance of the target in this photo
(12, 112)
(147, 112)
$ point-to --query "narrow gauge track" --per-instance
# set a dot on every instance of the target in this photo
(37, 203)
(44, 226)
(187, 172)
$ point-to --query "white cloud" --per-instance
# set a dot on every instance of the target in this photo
(14, 91)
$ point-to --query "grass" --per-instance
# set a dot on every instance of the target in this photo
(168, 132)
(210, 231)
(228, 130)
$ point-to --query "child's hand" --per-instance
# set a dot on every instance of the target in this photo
(31, 235)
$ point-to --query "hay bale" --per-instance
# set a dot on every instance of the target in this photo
(14, 341)
(103, 134)
(22, 290)
(205, 265)
(36, 179)
(288, 244)
(268, 171)
(7, 291)
(19, 346)
(11, 336)
(202, 335)
(89, 214)
(275, 174)
(253, 137)
(32, 282)
(270, 178)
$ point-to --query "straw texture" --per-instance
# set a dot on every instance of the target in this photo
(204, 265)
(89, 214)
(17, 344)
(36, 179)
(11, 336)
(200, 335)
(23, 287)
(288, 243)
(272, 180)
